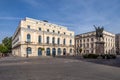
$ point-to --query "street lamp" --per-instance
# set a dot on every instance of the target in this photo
(27, 48)
(43, 42)
(54, 50)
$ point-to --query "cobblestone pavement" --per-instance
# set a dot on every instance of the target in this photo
(109, 62)
(48, 68)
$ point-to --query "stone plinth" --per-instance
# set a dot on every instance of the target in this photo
(100, 47)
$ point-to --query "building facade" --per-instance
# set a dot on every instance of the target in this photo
(87, 43)
(117, 43)
(41, 38)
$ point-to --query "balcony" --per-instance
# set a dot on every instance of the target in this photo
(44, 44)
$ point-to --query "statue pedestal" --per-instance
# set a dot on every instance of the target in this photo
(99, 47)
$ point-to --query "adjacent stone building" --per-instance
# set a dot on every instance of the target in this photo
(87, 43)
(117, 43)
(41, 38)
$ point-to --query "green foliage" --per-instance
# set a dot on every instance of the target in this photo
(80, 50)
(7, 42)
(43, 49)
(104, 56)
(91, 56)
(6, 46)
(3, 49)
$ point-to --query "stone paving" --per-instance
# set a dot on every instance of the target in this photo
(48, 68)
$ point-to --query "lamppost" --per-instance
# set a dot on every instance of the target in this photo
(43, 42)
(27, 48)
(54, 50)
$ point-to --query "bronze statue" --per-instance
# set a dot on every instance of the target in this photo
(99, 32)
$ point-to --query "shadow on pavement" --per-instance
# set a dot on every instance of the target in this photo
(109, 62)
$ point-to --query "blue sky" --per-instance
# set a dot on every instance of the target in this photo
(77, 15)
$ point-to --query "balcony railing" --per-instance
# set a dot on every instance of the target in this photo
(44, 44)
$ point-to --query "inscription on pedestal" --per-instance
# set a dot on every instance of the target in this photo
(99, 48)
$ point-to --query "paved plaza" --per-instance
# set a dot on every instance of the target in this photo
(48, 68)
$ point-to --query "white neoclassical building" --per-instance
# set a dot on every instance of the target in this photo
(41, 38)
(87, 42)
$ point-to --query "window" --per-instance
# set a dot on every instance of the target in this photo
(47, 30)
(39, 29)
(84, 51)
(53, 40)
(58, 41)
(53, 31)
(92, 39)
(28, 26)
(59, 51)
(87, 51)
(58, 32)
(83, 45)
(91, 45)
(87, 40)
(70, 50)
(84, 40)
(39, 39)
(64, 33)
(36, 22)
(80, 40)
(64, 41)
(92, 51)
(47, 40)
(70, 42)
(29, 50)
(28, 38)
(80, 45)
(87, 45)
(48, 51)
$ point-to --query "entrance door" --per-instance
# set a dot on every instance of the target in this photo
(64, 51)
(59, 51)
(39, 51)
(48, 52)
(53, 51)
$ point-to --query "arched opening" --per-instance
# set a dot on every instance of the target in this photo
(59, 51)
(70, 50)
(70, 42)
(29, 50)
(53, 40)
(48, 52)
(64, 51)
(39, 51)
(28, 37)
(58, 41)
(64, 41)
(53, 51)
(47, 40)
(39, 39)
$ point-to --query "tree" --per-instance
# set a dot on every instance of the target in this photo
(80, 50)
(3, 50)
(7, 42)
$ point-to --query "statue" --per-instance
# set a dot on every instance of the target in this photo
(99, 44)
(99, 32)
